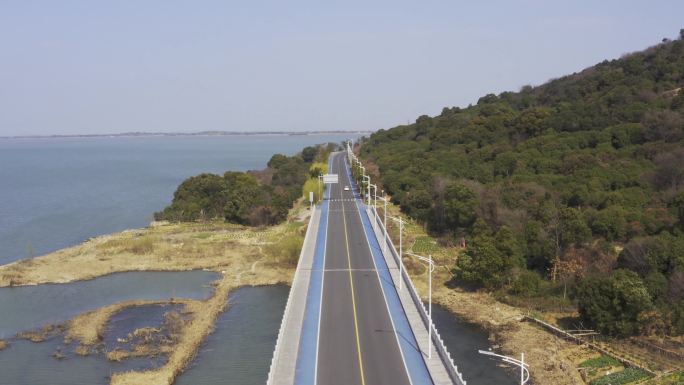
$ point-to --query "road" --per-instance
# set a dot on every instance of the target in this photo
(357, 343)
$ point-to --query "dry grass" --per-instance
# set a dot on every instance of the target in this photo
(88, 328)
(4, 344)
(40, 335)
(164, 247)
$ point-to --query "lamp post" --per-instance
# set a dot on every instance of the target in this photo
(382, 198)
(363, 172)
(367, 184)
(431, 268)
(524, 368)
(375, 205)
(320, 188)
(401, 231)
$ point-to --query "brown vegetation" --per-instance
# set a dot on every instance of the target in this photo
(40, 335)
(163, 247)
(88, 328)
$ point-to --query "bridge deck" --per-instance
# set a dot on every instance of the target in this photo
(346, 322)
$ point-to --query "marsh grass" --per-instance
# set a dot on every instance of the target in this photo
(140, 244)
(286, 250)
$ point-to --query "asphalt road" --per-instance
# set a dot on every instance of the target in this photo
(357, 344)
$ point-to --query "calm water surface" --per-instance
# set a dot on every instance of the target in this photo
(240, 349)
(463, 340)
(57, 192)
(29, 307)
(27, 363)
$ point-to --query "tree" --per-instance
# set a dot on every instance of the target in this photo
(459, 206)
(663, 125)
(505, 164)
(198, 197)
(418, 204)
(243, 194)
(614, 305)
(309, 154)
(678, 206)
(277, 160)
(669, 171)
(482, 264)
(610, 223)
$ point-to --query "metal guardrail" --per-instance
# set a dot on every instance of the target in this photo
(286, 313)
(444, 354)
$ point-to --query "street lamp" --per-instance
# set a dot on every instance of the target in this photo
(382, 198)
(401, 231)
(320, 188)
(524, 368)
(367, 184)
(431, 268)
(375, 204)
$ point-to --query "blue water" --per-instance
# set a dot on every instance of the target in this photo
(239, 350)
(28, 307)
(57, 192)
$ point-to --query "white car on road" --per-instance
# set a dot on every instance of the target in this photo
(346, 188)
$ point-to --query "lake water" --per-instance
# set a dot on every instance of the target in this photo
(463, 340)
(28, 307)
(57, 192)
(240, 349)
(28, 363)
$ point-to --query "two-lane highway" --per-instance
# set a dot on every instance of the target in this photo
(357, 342)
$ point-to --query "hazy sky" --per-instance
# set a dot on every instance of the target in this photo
(71, 67)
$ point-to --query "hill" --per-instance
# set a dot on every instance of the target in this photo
(574, 187)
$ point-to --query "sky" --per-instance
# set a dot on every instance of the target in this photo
(97, 67)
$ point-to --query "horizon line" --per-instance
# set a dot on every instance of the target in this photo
(198, 133)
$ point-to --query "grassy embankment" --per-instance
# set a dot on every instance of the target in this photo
(245, 257)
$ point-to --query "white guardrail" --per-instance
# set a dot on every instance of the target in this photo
(286, 313)
(444, 354)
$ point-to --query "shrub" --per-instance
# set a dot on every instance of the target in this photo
(526, 283)
(614, 304)
(287, 249)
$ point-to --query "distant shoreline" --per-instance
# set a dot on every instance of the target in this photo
(200, 133)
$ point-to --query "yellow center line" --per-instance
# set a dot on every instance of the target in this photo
(351, 282)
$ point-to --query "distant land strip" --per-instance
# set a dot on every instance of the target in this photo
(200, 133)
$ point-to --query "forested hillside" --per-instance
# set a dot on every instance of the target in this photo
(575, 188)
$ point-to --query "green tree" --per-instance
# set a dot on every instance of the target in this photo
(198, 197)
(614, 304)
(243, 195)
(459, 206)
(309, 154)
(482, 264)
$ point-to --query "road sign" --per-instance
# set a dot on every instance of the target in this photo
(330, 178)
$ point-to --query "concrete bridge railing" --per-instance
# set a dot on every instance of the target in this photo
(441, 349)
(306, 245)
